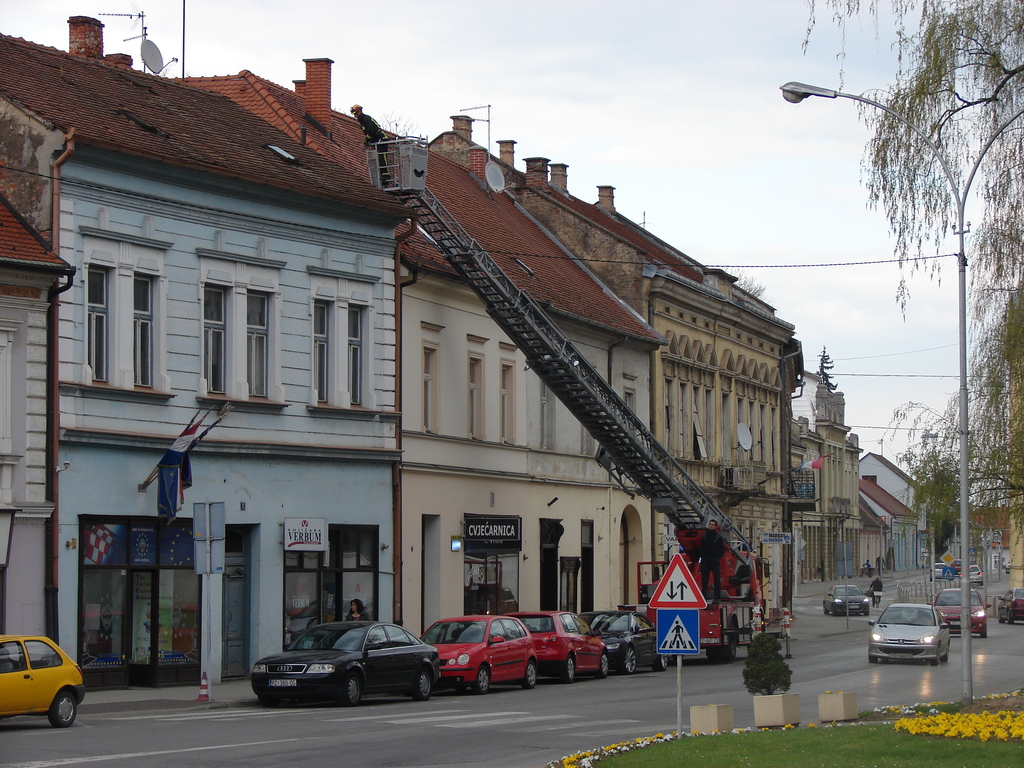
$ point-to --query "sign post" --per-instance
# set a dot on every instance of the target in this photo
(678, 601)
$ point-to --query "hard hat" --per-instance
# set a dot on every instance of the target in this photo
(355, 107)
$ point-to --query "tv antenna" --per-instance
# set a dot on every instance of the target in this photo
(148, 50)
(492, 171)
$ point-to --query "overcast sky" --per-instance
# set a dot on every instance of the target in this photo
(676, 104)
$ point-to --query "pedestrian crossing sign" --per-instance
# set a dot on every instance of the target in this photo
(677, 588)
(678, 631)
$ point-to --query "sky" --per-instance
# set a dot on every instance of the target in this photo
(676, 104)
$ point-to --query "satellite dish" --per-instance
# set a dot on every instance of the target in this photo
(495, 176)
(151, 56)
(744, 436)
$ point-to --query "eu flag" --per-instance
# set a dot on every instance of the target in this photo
(175, 473)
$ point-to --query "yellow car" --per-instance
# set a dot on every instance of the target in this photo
(38, 678)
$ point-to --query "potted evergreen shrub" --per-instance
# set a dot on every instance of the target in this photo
(767, 677)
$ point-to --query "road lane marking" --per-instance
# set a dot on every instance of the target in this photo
(487, 723)
(133, 755)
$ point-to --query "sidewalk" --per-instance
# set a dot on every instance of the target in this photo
(231, 693)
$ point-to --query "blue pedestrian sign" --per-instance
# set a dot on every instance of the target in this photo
(678, 631)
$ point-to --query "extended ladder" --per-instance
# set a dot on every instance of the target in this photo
(628, 449)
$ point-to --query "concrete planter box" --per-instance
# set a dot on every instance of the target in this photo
(711, 718)
(837, 706)
(777, 710)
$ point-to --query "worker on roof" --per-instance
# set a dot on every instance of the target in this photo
(374, 137)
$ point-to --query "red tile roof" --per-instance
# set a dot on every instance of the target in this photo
(882, 498)
(21, 244)
(500, 226)
(148, 116)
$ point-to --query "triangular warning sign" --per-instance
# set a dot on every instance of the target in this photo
(677, 588)
(678, 639)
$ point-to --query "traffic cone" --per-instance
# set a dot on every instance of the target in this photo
(204, 690)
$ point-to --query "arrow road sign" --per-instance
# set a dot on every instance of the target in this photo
(677, 588)
(679, 631)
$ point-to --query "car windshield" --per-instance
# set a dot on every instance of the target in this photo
(538, 623)
(447, 632)
(608, 622)
(953, 598)
(848, 590)
(327, 638)
(917, 617)
(1018, 594)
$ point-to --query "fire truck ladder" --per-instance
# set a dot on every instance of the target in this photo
(628, 449)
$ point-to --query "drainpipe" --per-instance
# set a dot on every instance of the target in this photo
(397, 608)
(53, 398)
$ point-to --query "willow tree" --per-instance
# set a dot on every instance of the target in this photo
(960, 78)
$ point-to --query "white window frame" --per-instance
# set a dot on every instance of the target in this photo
(475, 397)
(507, 404)
(117, 319)
(322, 353)
(430, 416)
(98, 322)
(215, 339)
(143, 330)
(257, 343)
(356, 353)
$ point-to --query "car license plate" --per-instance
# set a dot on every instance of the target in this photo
(283, 683)
(900, 655)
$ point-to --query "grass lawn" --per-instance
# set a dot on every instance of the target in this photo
(859, 746)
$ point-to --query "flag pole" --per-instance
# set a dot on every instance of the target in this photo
(156, 470)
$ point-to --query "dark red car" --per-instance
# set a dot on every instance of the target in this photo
(1011, 606)
(948, 603)
(476, 651)
(566, 645)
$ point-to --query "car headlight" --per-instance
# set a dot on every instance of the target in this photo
(837, 600)
(928, 639)
(612, 642)
(979, 613)
(877, 637)
(864, 599)
(320, 669)
(259, 669)
(462, 660)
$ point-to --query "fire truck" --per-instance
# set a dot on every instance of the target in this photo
(741, 612)
(628, 450)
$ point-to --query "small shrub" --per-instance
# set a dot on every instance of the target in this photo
(765, 672)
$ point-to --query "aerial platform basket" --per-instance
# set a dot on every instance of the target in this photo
(398, 165)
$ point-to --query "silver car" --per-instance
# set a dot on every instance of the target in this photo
(909, 631)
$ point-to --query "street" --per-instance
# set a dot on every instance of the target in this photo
(509, 727)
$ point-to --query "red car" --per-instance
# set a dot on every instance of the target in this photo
(476, 651)
(1011, 606)
(566, 645)
(948, 603)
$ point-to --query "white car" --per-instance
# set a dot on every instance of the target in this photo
(977, 575)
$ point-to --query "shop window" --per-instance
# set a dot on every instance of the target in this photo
(320, 586)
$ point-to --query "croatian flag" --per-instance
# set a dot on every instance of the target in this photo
(817, 463)
(175, 473)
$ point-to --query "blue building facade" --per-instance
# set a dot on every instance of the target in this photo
(254, 280)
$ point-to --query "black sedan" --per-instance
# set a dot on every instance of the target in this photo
(343, 660)
(846, 598)
(631, 638)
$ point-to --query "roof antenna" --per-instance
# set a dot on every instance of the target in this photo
(148, 50)
(492, 171)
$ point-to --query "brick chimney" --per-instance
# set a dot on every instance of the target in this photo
(317, 91)
(560, 175)
(507, 151)
(536, 171)
(463, 125)
(86, 37)
(478, 161)
(300, 88)
(120, 60)
(606, 198)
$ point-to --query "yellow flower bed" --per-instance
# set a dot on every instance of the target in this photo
(1004, 726)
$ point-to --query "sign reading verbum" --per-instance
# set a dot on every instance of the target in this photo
(305, 534)
(494, 531)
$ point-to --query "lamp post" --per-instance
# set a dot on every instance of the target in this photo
(797, 92)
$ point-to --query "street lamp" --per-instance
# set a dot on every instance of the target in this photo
(797, 92)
